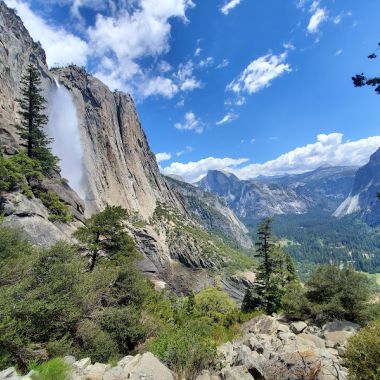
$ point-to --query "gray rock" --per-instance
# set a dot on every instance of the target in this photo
(147, 367)
(313, 339)
(340, 326)
(95, 371)
(204, 375)
(81, 365)
(337, 339)
(236, 373)
(124, 361)
(69, 359)
(116, 373)
(261, 325)
(298, 327)
(9, 373)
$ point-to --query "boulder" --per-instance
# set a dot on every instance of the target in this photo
(313, 339)
(147, 367)
(124, 361)
(337, 339)
(236, 373)
(9, 373)
(116, 373)
(298, 327)
(226, 353)
(96, 371)
(204, 375)
(340, 326)
(81, 365)
(263, 324)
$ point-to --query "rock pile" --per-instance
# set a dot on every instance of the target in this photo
(270, 349)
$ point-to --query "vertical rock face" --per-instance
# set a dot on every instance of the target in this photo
(362, 199)
(121, 168)
(17, 50)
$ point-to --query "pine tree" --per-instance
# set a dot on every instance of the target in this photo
(104, 235)
(270, 271)
(33, 120)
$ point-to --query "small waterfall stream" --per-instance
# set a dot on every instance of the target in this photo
(64, 129)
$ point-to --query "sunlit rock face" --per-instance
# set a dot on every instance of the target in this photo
(363, 197)
(120, 167)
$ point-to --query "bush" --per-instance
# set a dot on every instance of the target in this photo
(363, 353)
(187, 350)
(57, 209)
(216, 305)
(330, 293)
(54, 369)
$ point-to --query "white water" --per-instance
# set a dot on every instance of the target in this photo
(64, 129)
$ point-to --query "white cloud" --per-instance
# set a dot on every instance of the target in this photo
(194, 171)
(339, 52)
(209, 61)
(164, 156)
(184, 77)
(288, 46)
(318, 17)
(186, 150)
(158, 86)
(228, 118)
(164, 67)
(197, 51)
(260, 73)
(253, 141)
(328, 150)
(223, 64)
(61, 47)
(229, 5)
(191, 123)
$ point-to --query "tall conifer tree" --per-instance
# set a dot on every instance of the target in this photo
(33, 120)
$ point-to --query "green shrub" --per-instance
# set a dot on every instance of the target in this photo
(187, 350)
(363, 353)
(57, 209)
(330, 293)
(95, 342)
(216, 305)
(54, 369)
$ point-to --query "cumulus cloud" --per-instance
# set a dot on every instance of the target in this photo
(229, 5)
(186, 150)
(185, 78)
(260, 73)
(61, 46)
(228, 118)
(164, 156)
(190, 123)
(328, 150)
(158, 86)
(318, 17)
(194, 171)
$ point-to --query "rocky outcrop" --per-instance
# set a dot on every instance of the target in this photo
(212, 212)
(272, 348)
(362, 199)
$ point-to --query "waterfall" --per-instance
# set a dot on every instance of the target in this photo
(63, 128)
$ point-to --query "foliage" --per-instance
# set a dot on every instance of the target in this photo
(54, 369)
(360, 80)
(330, 293)
(363, 353)
(48, 300)
(33, 119)
(186, 349)
(104, 233)
(275, 271)
(16, 170)
(318, 238)
(57, 209)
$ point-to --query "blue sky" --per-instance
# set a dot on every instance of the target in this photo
(250, 86)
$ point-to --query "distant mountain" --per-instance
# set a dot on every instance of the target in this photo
(323, 188)
(212, 212)
(362, 197)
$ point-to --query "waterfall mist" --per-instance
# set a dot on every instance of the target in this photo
(64, 129)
